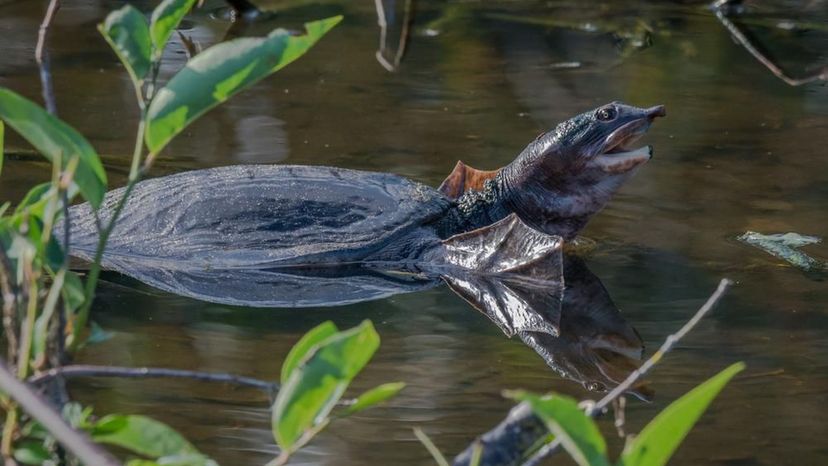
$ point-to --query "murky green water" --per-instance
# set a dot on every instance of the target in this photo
(739, 151)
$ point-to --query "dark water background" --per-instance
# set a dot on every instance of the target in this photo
(740, 150)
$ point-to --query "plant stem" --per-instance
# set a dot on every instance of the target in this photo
(665, 348)
(10, 294)
(95, 270)
(79, 444)
(42, 57)
(27, 328)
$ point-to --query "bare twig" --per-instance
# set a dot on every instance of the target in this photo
(668, 344)
(42, 57)
(720, 9)
(79, 444)
(78, 370)
(521, 415)
(405, 32)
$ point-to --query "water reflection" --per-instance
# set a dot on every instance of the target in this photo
(596, 346)
(569, 319)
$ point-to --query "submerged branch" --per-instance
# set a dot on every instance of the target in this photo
(515, 435)
(720, 10)
(78, 370)
(35, 406)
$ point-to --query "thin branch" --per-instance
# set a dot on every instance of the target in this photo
(42, 57)
(720, 9)
(521, 415)
(405, 32)
(78, 370)
(10, 293)
(668, 345)
(382, 22)
(35, 406)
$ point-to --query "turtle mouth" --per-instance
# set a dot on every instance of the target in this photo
(619, 154)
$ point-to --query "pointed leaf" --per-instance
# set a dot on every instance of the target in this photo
(165, 19)
(577, 432)
(141, 435)
(374, 396)
(303, 347)
(220, 72)
(127, 32)
(314, 387)
(656, 443)
(34, 453)
(56, 141)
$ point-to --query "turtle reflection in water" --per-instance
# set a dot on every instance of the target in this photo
(288, 236)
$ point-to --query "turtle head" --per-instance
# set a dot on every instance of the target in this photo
(569, 173)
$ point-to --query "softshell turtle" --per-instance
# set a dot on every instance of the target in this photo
(255, 220)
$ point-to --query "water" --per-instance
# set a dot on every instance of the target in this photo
(740, 150)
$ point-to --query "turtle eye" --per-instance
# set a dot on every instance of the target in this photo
(607, 113)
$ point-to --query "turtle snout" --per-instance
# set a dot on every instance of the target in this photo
(655, 112)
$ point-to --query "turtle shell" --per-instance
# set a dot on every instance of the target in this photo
(257, 216)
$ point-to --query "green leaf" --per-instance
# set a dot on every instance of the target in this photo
(303, 347)
(127, 32)
(141, 435)
(374, 396)
(35, 200)
(656, 443)
(178, 460)
(32, 453)
(73, 291)
(165, 18)
(77, 416)
(577, 432)
(57, 141)
(220, 72)
(314, 387)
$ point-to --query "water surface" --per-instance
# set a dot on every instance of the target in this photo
(740, 150)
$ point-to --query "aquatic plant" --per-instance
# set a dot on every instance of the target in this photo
(315, 374)
(46, 306)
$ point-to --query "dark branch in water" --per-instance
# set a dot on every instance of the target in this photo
(519, 432)
(151, 372)
(721, 8)
(42, 57)
(76, 442)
